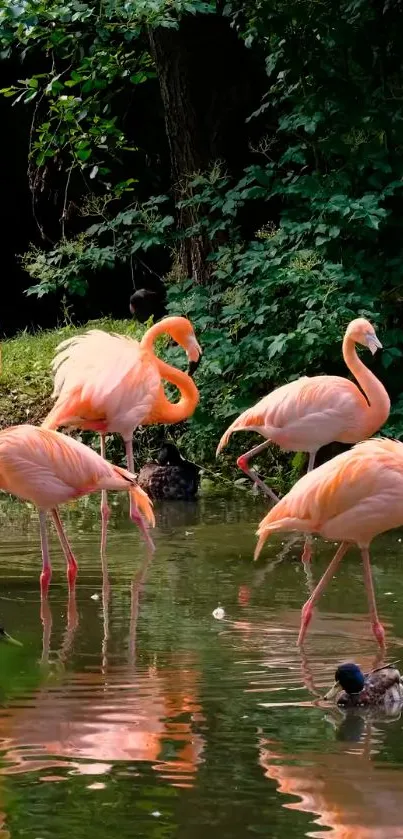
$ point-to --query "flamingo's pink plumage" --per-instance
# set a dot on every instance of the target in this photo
(103, 382)
(308, 413)
(112, 383)
(351, 498)
(48, 469)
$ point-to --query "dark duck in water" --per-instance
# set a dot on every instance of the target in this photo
(171, 477)
(382, 687)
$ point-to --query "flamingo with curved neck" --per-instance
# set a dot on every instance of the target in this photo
(375, 412)
(164, 411)
(309, 413)
(112, 384)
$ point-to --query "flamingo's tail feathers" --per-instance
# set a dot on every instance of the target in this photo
(140, 498)
(53, 420)
(259, 545)
(224, 440)
(144, 504)
(68, 411)
(288, 523)
(248, 420)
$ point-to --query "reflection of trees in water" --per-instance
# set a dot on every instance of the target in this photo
(83, 513)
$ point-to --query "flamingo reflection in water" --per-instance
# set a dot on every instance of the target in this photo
(97, 717)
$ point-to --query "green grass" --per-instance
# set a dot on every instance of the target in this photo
(26, 382)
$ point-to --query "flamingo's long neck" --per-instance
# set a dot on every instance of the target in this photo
(377, 397)
(171, 412)
(163, 327)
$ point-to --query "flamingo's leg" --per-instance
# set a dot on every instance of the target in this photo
(105, 510)
(129, 455)
(70, 558)
(311, 461)
(307, 552)
(377, 627)
(243, 463)
(307, 609)
(130, 468)
(46, 573)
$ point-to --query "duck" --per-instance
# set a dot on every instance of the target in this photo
(170, 477)
(382, 687)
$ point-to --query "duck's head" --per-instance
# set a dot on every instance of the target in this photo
(4, 636)
(348, 677)
(169, 455)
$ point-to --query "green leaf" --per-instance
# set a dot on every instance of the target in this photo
(83, 153)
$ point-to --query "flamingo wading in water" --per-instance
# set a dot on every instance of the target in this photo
(351, 498)
(112, 384)
(311, 412)
(48, 468)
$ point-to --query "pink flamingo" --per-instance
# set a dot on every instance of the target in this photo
(48, 468)
(112, 384)
(351, 498)
(309, 413)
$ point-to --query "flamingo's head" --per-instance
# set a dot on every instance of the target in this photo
(181, 330)
(362, 332)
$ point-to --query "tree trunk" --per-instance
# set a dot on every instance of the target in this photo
(206, 91)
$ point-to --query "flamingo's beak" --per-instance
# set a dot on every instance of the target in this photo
(192, 366)
(193, 348)
(194, 353)
(373, 343)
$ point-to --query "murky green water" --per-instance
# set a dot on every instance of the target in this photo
(137, 714)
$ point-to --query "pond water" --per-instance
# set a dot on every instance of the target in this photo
(130, 711)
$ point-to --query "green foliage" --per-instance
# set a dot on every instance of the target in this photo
(94, 56)
(117, 239)
(278, 303)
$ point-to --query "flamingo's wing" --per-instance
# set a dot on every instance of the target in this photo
(44, 466)
(305, 414)
(92, 355)
(312, 412)
(258, 417)
(101, 376)
(354, 496)
(48, 468)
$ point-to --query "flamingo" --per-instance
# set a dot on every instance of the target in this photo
(112, 383)
(304, 415)
(48, 468)
(351, 498)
